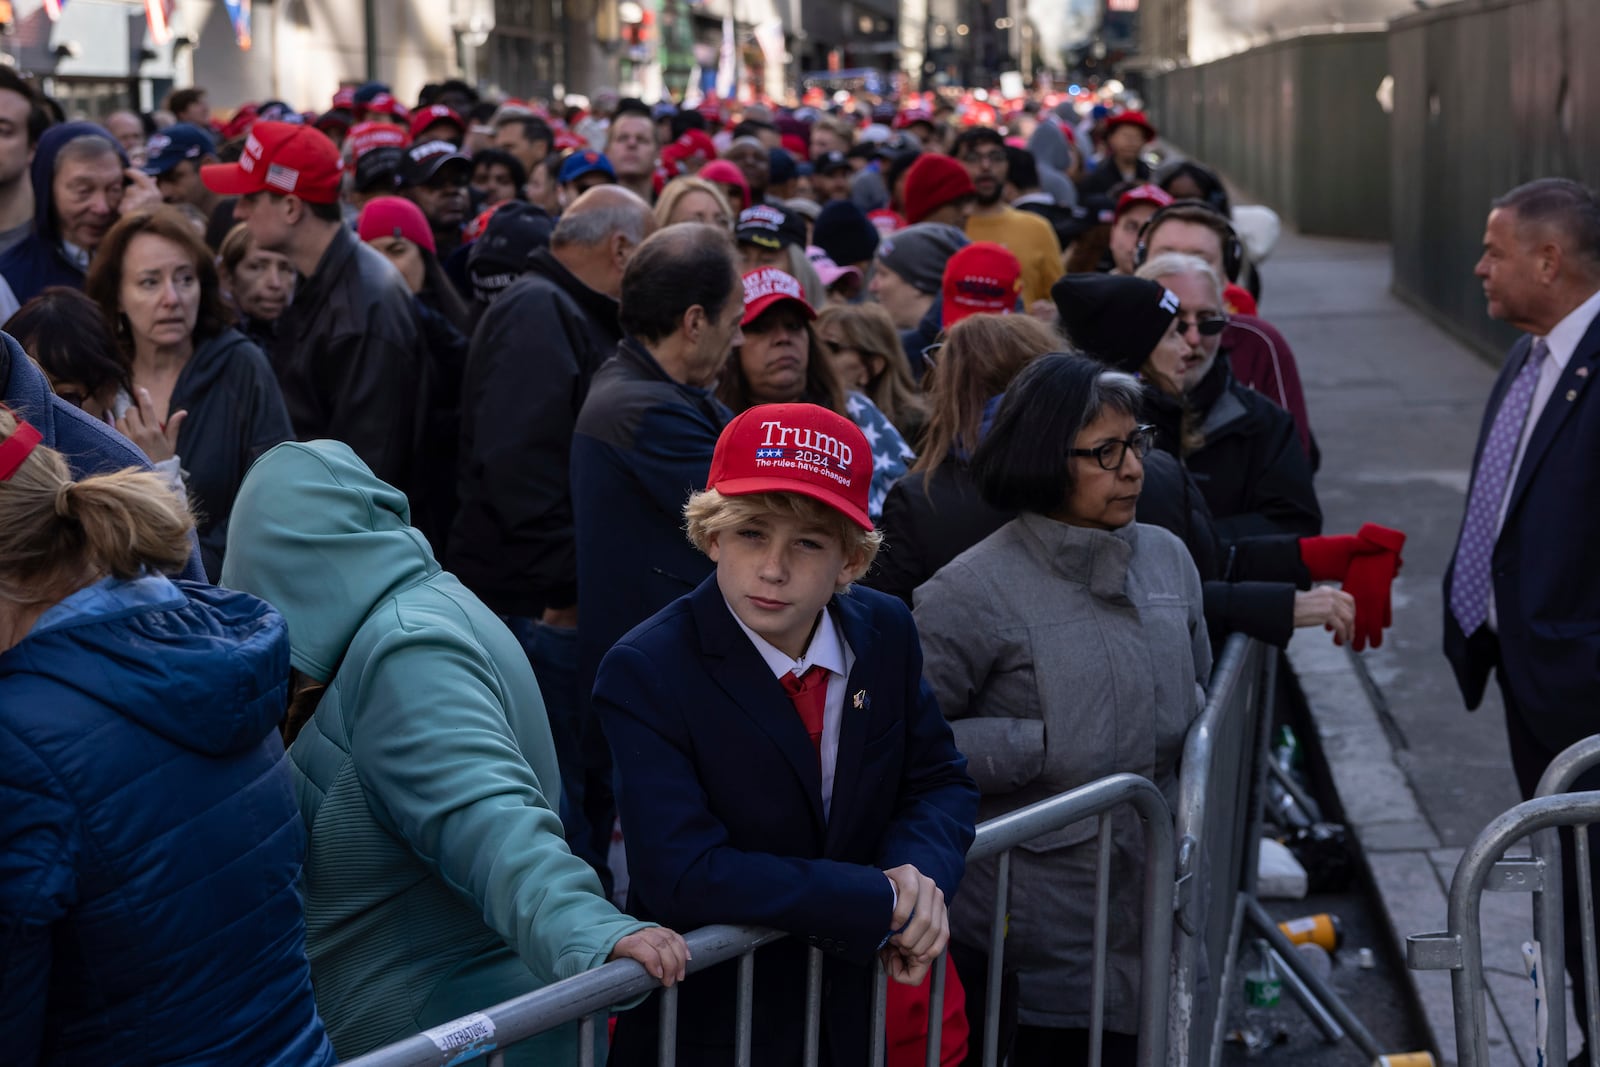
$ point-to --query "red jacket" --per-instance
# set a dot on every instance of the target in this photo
(908, 1021)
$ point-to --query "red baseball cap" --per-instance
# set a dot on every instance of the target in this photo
(422, 118)
(724, 173)
(1131, 118)
(281, 157)
(365, 136)
(795, 448)
(383, 104)
(982, 278)
(766, 286)
(911, 116)
(696, 143)
(345, 99)
(1142, 194)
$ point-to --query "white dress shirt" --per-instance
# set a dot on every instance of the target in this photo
(828, 649)
(1562, 341)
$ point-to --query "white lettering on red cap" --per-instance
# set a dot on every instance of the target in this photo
(1169, 301)
(770, 281)
(252, 153)
(780, 436)
(761, 215)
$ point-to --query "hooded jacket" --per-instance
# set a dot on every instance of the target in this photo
(38, 260)
(235, 414)
(88, 445)
(438, 879)
(149, 840)
(512, 541)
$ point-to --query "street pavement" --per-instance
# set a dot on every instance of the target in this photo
(1395, 403)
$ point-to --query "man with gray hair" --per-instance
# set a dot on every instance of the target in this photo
(528, 371)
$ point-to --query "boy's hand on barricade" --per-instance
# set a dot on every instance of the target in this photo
(1328, 607)
(904, 969)
(660, 951)
(920, 923)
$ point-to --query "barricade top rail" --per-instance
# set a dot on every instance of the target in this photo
(1566, 767)
(623, 980)
(1504, 830)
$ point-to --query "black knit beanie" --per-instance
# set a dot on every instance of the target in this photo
(1117, 319)
(845, 233)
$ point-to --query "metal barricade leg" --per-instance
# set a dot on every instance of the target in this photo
(997, 955)
(667, 1047)
(936, 1011)
(880, 1015)
(1102, 915)
(745, 1010)
(586, 1041)
(1326, 997)
(813, 1044)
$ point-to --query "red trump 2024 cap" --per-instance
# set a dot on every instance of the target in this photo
(283, 158)
(795, 448)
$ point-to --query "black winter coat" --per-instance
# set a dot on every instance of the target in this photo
(354, 366)
(532, 357)
(236, 413)
(1252, 468)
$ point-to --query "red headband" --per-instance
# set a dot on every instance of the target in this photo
(16, 448)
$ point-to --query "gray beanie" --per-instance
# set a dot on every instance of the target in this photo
(918, 253)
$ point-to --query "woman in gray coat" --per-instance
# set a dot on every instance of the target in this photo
(1068, 645)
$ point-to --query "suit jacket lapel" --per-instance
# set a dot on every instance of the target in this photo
(741, 673)
(855, 623)
(1568, 391)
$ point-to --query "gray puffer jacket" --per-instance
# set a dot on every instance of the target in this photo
(1064, 654)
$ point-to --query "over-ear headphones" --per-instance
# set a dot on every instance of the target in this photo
(1201, 213)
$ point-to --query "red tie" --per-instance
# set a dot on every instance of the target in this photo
(810, 695)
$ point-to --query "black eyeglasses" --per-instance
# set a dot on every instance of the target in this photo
(1209, 326)
(1111, 454)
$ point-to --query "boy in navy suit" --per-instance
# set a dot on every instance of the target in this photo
(780, 761)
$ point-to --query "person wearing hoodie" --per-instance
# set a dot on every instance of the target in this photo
(437, 880)
(81, 183)
(149, 854)
(203, 393)
(89, 443)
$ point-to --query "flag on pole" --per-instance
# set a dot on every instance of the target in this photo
(239, 15)
(157, 13)
(53, 8)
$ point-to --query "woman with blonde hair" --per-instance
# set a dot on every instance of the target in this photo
(864, 350)
(690, 199)
(935, 513)
(150, 844)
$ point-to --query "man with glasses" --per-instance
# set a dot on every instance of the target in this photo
(1030, 238)
(1257, 353)
(1241, 448)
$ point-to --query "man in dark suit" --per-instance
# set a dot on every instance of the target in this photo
(851, 838)
(1522, 595)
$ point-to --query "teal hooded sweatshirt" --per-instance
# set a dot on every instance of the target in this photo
(438, 881)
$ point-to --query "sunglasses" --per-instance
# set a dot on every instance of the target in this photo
(1210, 326)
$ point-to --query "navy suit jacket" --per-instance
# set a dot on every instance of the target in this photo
(721, 804)
(1545, 575)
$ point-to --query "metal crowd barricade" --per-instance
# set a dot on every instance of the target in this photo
(1219, 830)
(587, 997)
(1483, 867)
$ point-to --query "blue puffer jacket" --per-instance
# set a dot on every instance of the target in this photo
(150, 844)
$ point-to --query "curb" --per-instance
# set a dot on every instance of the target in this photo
(1402, 853)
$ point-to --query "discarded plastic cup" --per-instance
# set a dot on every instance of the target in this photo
(1316, 959)
(1366, 959)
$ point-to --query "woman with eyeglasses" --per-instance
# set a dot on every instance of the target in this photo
(1243, 449)
(1068, 645)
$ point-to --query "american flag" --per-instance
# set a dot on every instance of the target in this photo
(53, 8)
(769, 453)
(158, 14)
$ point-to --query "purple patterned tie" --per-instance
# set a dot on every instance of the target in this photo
(1469, 591)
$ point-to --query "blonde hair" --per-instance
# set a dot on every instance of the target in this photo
(710, 512)
(682, 186)
(868, 329)
(56, 533)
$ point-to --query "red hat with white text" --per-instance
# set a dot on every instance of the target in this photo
(795, 448)
(284, 158)
(766, 286)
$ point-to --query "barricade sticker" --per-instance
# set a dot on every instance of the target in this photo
(473, 1032)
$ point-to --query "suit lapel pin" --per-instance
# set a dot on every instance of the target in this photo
(861, 701)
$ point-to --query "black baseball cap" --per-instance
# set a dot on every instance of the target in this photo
(379, 168)
(425, 162)
(770, 227)
(829, 162)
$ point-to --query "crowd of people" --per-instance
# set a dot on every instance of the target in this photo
(397, 504)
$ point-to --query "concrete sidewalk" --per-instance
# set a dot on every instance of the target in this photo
(1395, 404)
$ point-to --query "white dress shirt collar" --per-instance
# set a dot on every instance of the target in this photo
(825, 650)
(1565, 337)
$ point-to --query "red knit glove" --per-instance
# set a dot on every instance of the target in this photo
(1328, 558)
(1370, 579)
